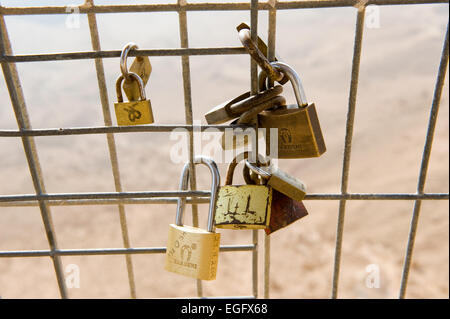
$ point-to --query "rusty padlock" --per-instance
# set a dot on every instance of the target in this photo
(192, 251)
(242, 206)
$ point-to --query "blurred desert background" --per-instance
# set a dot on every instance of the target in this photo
(399, 64)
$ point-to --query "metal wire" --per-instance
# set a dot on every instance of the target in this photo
(163, 194)
(348, 144)
(207, 6)
(425, 161)
(186, 69)
(107, 251)
(115, 129)
(254, 90)
(44, 200)
(95, 39)
(20, 111)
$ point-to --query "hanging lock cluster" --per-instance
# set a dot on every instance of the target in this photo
(297, 126)
(270, 199)
(138, 109)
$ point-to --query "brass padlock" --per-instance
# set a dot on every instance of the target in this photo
(279, 180)
(192, 251)
(298, 127)
(240, 137)
(132, 112)
(141, 66)
(242, 206)
(284, 209)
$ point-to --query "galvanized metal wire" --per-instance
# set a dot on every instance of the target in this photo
(348, 144)
(95, 39)
(45, 200)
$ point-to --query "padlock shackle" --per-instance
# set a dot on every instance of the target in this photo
(119, 86)
(295, 80)
(249, 179)
(240, 157)
(123, 58)
(241, 104)
(248, 116)
(215, 182)
(258, 170)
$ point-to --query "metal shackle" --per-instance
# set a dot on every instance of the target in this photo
(123, 58)
(258, 170)
(295, 80)
(215, 182)
(119, 86)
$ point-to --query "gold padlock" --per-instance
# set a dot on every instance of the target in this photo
(284, 209)
(242, 206)
(132, 112)
(192, 251)
(298, 127)
(142, 67)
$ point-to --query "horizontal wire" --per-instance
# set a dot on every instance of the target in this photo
(106, 195)
(127, 201)
(218, 297)
(117, 129)
(116, 54)
(107, 251)
(145, 198)
(203, 6)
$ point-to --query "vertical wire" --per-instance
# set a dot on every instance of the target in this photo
(254, 90)
(12, 80)
(186, 69)
(348, 144)
(271, 57)
(425, 161)
(95, 40)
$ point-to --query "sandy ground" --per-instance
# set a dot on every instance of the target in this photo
(398, 71)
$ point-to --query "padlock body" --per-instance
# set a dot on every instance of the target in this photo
(143, 68)
(288, 185)
(299, 133)
(285, 211)
(192, 252)
(243, 207)
(134, 112)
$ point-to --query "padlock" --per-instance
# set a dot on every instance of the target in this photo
(132, 112)
(279, 180)
(242, 206)
(142, 67)
(192, 251)
(240, 137)
(234, 108)
(284, 209)
(298, 127)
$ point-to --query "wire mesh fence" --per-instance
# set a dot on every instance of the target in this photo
(121, 198)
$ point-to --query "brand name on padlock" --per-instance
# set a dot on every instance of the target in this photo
(184, 263)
